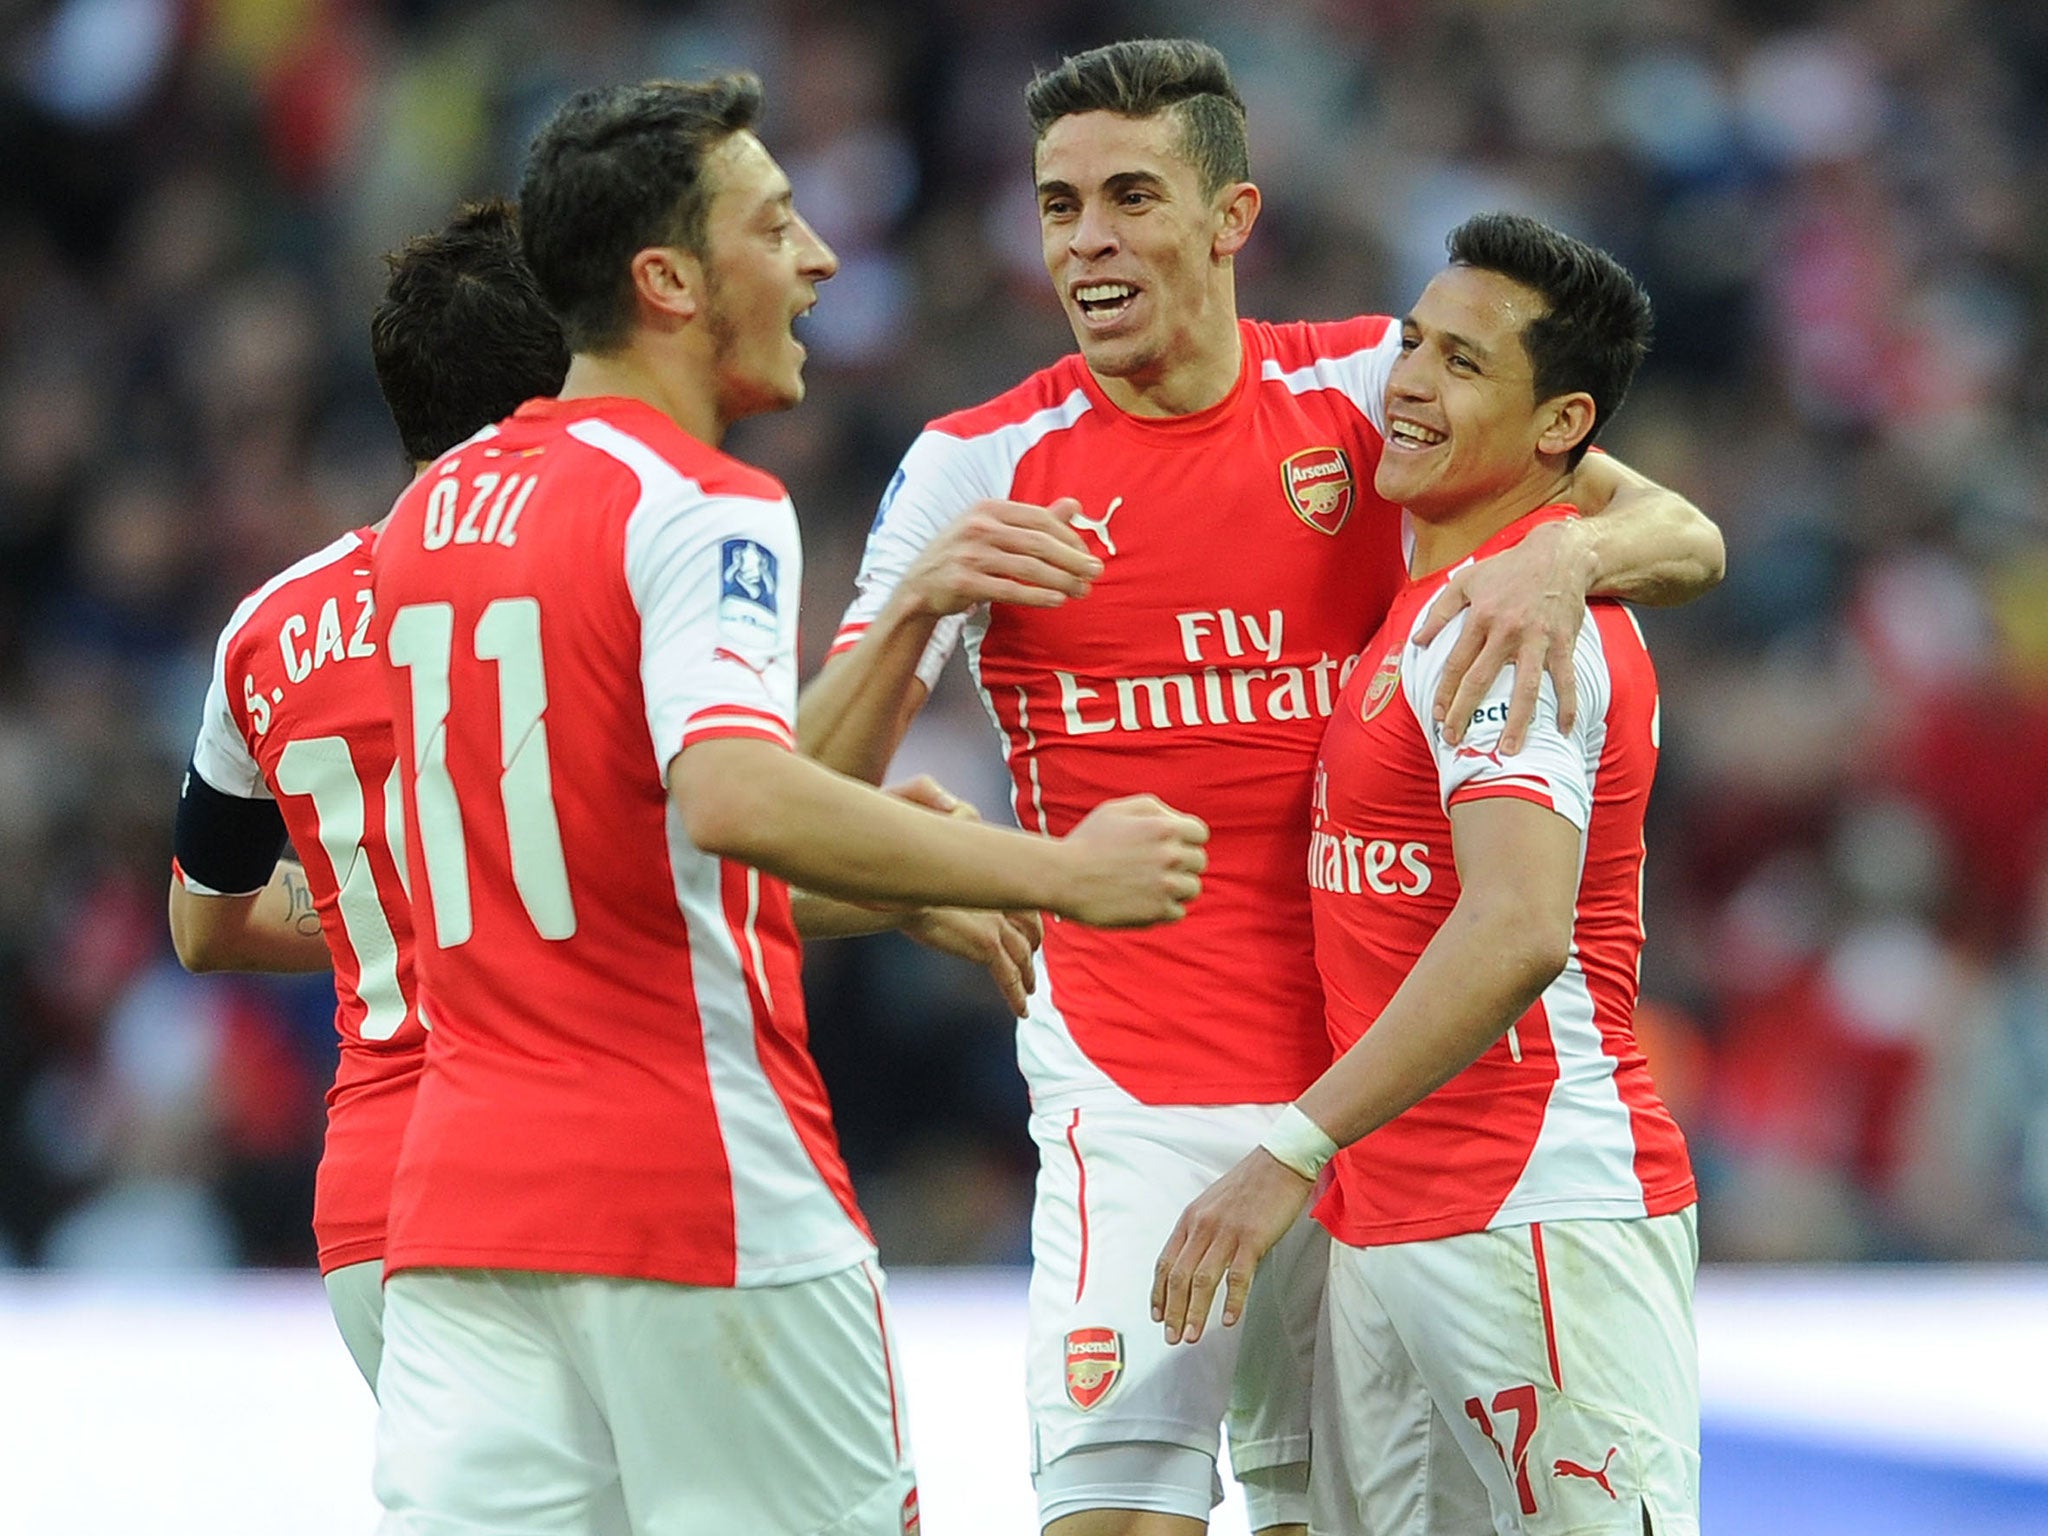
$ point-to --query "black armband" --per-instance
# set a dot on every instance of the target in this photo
(223, 842)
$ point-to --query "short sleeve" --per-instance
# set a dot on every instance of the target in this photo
(1553, 769)
(221, 753)
(940, 477)
(715, 580)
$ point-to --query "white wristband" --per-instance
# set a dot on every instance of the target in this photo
(1299, 1143)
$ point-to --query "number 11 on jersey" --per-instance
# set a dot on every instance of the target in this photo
(422, 640)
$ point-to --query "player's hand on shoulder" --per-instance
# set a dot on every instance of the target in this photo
(1003, 552)
(1219, 1241)
(1134, 862)
(1523, 608)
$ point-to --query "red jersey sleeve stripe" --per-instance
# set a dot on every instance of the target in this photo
(848, 636)
(1507, 789)
(717, 727)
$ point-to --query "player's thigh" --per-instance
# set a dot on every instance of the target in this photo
(1386, 1462)
(773, 1410)
(1112, 1182)
(1578, 1400)
(484, 1423)
(355, 1295)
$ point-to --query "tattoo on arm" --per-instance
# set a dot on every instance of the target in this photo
(300, 912)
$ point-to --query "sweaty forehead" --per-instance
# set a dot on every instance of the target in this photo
(1485, 306)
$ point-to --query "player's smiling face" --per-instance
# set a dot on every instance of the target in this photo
(1137, 252)
(1464, 427)
(762, 268)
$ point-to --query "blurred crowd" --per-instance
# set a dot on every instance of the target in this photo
(1841, 211)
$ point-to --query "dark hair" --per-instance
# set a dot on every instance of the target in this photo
(1144, 78)
(616, 171)
(1595, 327)
(461, 337)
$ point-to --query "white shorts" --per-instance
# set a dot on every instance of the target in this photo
(355, 1294)
(1533, 1381)
(567, 1405)
(1112, 1182)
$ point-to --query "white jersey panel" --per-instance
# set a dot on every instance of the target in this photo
(716, 581)
(787, 1223)
(1360, 376)
(940, 477)
(1587, 1140)
(221, 753)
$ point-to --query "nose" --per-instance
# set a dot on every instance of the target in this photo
(1409, 378)
(819, 259)
(1094, 231)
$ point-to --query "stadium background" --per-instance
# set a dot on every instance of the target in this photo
(1841, 211)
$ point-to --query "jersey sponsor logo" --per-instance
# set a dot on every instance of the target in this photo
(1099, 526)
(1319, 487)
(747, 580)
(1385, 682)
(1210, 692)
(1563, 1468)
(1346, 864)
(1211, 696)
(1095, 1359)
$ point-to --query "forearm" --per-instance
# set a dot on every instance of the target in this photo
(1477, 977)
(1642, 542)
(275, 930)
(825, 917)
(827, 834)
(853, 715)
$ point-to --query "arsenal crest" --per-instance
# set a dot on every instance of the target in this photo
(1384, 682)
(1319, 487)
(1095, 1358)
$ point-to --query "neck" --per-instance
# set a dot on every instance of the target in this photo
(1444, 536)
(1205, 376)
(633, 372)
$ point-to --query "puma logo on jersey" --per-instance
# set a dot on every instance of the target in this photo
(1099, 526)
(1562, 1468)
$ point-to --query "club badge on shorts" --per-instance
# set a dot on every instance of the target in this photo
(1319, 487)
(1095, 1358)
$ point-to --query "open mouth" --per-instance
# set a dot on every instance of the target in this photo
(1412, 435)
(1103, 302)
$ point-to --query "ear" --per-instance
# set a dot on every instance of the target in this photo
(669, 282)
(1239, 205)
(1566, 421)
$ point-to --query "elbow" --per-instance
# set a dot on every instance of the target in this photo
(1534, 947)
(1713, 557)
(198, 952)
(722, 814)
(1543, 950)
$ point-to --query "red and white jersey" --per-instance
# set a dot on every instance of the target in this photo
(618, 1080)
(1558, 1118)
(1246, 561)
(297, 712)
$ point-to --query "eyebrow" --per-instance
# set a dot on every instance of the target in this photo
(1453, 340)
(1116, 183)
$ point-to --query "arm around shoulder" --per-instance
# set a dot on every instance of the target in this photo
(1646, 543)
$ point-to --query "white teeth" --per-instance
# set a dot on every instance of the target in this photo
(1409, 434)
(1104, 293)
